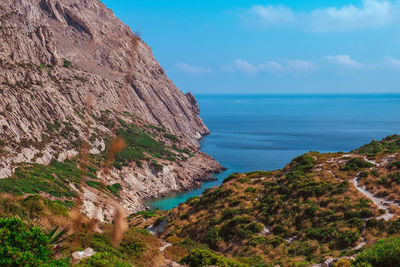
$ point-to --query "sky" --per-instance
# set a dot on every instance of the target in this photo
(271, 47)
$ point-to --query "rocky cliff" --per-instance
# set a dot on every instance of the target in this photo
(72, 75)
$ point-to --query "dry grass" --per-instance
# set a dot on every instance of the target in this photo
(175, 253)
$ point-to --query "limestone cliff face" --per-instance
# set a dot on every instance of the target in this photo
(70, 70)
(119, 69)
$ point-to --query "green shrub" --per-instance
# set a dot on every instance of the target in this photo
(212, 237)
(138, 144)
(131, 246)
(257, 240)
(203, 257)
(23, 245)
(321, 234)
(66, 64)
(394, 165)
(371, 149)
(302, 163)
(395, 177)
(53, 179)
(345, 239)
(147, 213)
(115, 188)
(103, 260)
(255, 227)
(301, 248)
(172, 137)
(250, 190)
(356, 164)
(234, 227)
(102, 243)
(95, 184)
(230, 177)
(384, 253)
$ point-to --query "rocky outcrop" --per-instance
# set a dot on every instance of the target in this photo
(144, 183)
(69, 72)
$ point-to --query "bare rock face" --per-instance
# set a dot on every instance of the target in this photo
(82, 39)
(69, 72)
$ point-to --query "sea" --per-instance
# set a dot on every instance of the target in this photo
(265, 132)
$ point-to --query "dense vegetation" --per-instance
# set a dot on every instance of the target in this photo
(389, 144)
(53, 179)
(384, 253)
(298, 215)
(147, 142)
(139, 146)
(291, 217)
(24, 245)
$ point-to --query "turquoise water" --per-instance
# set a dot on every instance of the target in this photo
(259, 132)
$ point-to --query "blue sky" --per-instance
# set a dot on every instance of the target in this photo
(246, 46)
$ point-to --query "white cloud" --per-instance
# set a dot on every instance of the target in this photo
(370, 14)
(344, 60)
(269, 15)
(271, 66)
(392, 62)
(191, 69)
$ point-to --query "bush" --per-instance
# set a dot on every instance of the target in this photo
(203, 257)
(172, 137)
(250, 190)
(395, 177)
(384, 253)
(257, 240)
(356, 164)
(345, 239)
(115, 188)
(230, 177)
(138, 144)
(147, 213)
(233, 227)
(302, 163)
(23, 245)
(103, 260)
(66, 64)
(371, 149)
(255, 227)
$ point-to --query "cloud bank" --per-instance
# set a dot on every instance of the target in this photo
(370, 14)
(344, 60)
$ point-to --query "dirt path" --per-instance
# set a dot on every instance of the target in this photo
(380, 202)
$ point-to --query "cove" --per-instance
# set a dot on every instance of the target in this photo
(265, 132)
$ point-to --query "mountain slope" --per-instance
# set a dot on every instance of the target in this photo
(72, 79)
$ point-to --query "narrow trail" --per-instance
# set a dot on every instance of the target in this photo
(380, 202)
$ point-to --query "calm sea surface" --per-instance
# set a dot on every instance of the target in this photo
(264, 132)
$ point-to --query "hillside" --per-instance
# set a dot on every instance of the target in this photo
(319, 206)
(74, 79)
